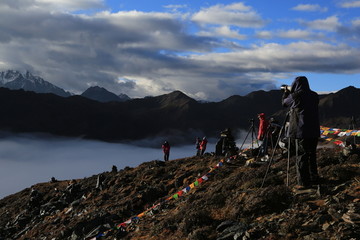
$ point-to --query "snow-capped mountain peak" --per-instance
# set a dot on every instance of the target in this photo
(16, 80)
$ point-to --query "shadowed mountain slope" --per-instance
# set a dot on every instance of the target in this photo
(156, 116)
(102, 95)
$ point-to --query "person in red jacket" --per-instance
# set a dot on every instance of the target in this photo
(203, 144)
(263, 133)
(166, 150)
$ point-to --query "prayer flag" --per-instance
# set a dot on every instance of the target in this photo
(205, 178)
(141, 214)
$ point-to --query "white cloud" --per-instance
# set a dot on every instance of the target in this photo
(175, 7)
(223, 31)
(235, 14)
(356, 22)
(328, 24)
(310, 7)
(70, 5)
(264, 34)
(350, 4)
(298, 34)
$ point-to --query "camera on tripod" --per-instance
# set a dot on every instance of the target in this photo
(285, 87)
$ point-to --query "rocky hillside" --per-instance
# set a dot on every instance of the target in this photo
(193, 198)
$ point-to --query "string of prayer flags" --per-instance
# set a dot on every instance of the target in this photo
(180, 193)
(337, 132)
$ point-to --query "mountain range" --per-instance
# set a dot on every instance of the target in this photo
(168, 115)
(15, 80)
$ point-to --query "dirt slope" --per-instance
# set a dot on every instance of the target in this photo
(228, 204)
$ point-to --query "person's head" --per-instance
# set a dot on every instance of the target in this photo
(300, 83)
(261, 115)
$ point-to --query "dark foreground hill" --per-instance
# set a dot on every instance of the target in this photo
(165, 115)
(227, 203)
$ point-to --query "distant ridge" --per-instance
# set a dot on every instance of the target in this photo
(15, 80)
(173, 114)
(100, 94)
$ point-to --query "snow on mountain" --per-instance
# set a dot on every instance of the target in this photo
(16, 80)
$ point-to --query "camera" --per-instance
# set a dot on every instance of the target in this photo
(284, 87)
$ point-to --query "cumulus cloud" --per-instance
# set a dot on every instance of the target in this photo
(350, 4)
(176, 7)
(71, 4)
(223, 31)
(356, 22)
(310, 7)
(264, 34)
(54, 5)
(328, 24)
(236, 14)
(299, 34)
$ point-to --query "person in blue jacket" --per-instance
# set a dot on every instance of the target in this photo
(304, 127)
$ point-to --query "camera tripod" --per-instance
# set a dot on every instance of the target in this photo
(273, 153)
(253, 135)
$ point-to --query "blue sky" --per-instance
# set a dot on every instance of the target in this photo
(209, 50)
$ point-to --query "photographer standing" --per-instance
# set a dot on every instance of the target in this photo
(304, 128)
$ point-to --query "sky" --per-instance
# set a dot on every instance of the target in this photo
(210, 50)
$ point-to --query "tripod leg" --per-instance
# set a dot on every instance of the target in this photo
(245, 139)
(272, 158)
(288, 164)
(254, 136)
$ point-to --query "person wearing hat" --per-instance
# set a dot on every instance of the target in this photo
(304, 128)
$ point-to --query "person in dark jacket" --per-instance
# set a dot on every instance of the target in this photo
(166, 149)
(304, 127)
(197, 146)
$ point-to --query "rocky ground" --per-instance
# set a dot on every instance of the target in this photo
(228, 204)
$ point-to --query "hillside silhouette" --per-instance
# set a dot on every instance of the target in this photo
(163, 115)
(228, 204)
